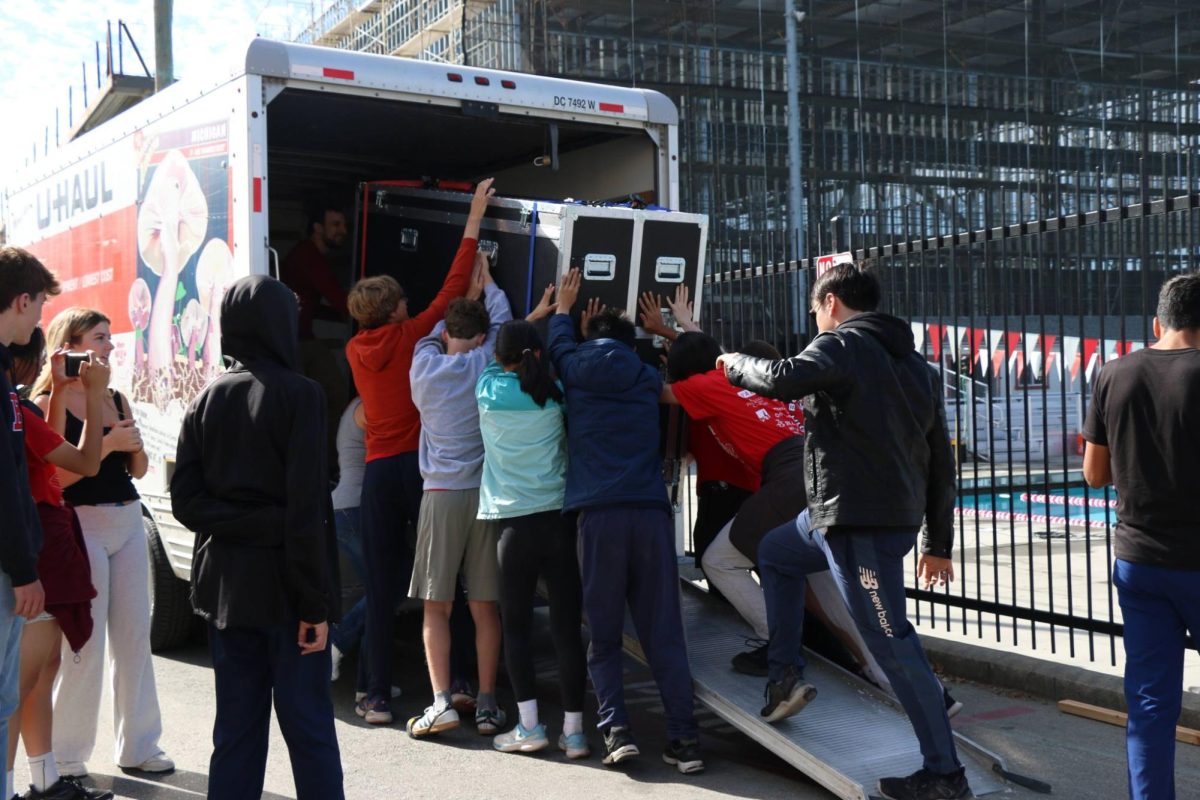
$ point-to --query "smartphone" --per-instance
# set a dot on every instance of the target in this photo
(73, 362)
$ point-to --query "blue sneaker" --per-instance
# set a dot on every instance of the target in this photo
(575, 745)
(522, 740)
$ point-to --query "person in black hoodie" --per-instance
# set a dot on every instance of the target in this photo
(878, 462)
(251, 481)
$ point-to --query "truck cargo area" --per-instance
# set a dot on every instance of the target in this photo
(321, 144)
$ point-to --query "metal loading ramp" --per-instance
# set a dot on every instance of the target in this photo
(845, 740)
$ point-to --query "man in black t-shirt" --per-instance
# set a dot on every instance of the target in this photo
(1143, 435)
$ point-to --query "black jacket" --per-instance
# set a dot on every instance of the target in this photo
(877, 453)
(21, 534)
(251, 473)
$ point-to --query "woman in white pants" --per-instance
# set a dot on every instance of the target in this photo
(110, 515)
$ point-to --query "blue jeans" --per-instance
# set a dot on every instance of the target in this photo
(252, 665)
(627, 555)
(1160, 607)
(868, 565)
(10, 656)
(348, 634)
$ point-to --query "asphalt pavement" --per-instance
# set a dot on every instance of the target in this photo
(1079, 758)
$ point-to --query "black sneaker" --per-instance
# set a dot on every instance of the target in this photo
(787, 696)
(684, 755)
(68, 788)
(952, 706)
(753, 661)
(618, 745)
(926, 785)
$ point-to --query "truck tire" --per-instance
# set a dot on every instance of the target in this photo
(170, 604)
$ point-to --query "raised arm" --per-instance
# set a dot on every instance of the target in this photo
(459, 277)
(562, 330)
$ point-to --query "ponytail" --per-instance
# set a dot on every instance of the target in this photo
(519, 347)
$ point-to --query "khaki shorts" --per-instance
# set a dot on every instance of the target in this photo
(450, 537)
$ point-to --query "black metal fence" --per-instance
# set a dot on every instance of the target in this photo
(1018, 319)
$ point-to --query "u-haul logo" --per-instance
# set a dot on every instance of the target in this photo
(74, 193)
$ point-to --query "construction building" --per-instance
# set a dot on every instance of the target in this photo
(917, 117)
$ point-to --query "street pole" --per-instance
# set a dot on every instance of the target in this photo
(164, 64)
(795, 187)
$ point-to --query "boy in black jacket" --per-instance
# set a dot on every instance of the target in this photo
(879, 461)
(251, 481)
(24, 286)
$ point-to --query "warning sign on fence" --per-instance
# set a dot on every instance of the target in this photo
(826, 263)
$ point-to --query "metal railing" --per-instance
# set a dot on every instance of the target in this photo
(1019, 319)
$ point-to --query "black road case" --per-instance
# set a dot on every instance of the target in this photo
(412, 234)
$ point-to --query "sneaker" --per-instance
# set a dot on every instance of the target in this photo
(159, 762)
(489, 721)
(462, 698)
(575, 745)
(434, 720)
(753, 661)
(375, 710)
(522, 740)
(926, 785)
(335, 658)
(619, 745)
(684, 755)
(952, 706)
(71, 769)
(787, 696)
(68, 788)
(360, 696)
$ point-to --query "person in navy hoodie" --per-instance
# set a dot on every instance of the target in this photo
(626, 533)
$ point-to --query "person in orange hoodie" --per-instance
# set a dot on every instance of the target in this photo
(380, 357)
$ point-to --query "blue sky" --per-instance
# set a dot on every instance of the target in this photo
(43, 42)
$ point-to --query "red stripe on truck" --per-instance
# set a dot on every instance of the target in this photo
(257, 195)
(342, 74)
(614, 108)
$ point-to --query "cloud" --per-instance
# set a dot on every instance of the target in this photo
(42, 45)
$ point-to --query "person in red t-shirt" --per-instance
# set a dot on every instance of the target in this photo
(380, 356)
(767, 437)
(62, 564)
(307, 272)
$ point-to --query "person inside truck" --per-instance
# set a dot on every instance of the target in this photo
(626, 531)
(881, 465)
(110, 513)
(62, 565)
(380, 356)
(307, 271)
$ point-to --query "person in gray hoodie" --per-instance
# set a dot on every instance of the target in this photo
(446, 366)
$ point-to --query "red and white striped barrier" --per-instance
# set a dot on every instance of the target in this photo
(1078, 502)
(1018, 516)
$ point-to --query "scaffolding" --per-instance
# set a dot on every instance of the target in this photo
(916, 115)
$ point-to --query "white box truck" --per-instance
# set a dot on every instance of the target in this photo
(150, 216)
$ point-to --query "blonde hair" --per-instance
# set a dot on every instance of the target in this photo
(66, 329)
(372, 300)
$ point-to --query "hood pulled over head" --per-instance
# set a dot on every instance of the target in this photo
(892, 332)
(260, 321)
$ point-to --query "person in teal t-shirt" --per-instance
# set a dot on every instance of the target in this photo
(524, 478)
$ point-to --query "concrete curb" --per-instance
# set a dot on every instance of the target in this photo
(1038, 677)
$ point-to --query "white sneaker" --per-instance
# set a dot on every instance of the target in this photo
(73, 769)
(360, 696)
(336, 660)
(159, 762)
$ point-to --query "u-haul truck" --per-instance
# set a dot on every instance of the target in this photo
(150, 216)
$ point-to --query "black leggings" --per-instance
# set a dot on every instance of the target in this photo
(542, 544)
